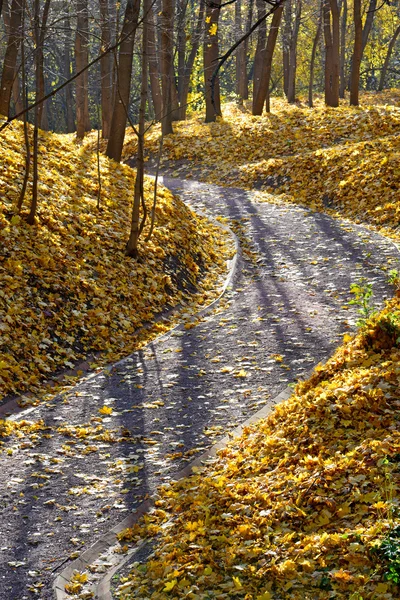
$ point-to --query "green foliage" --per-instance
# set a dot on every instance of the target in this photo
(363, 294)
(389, 551)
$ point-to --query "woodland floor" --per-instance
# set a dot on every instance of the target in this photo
(110, 441)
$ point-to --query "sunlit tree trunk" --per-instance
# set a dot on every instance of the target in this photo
(263, 87)
(123, 83)
(210, 54)
(240, 58)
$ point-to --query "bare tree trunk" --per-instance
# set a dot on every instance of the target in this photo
(249, 22)
(357, 54)
(69, 113)
(313, 55)
(106, 68)
(138, 198)
(291, 92)
(121, 103)
(167, 41)
(153, 65)
(263, 88)
(331, 33)
(10, 57)
(387, 58)
(210, 55)
(81, 60)
(184, 90)
(286, 33)
(260, 49)
(368, 23)
(342, 75)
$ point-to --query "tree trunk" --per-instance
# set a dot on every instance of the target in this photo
(106, 69)
(312, 62)
(210, 56)
(10, 57)
(123, 84)
(368, 24)
(167, 47)
(263, 88)
(154, 73)
(291, 92)
(286, 33)
(387, 58)
(240, 62)
(342, 75)
(69, 100)
(138, 198)
(357, 54)
(260, 49)
(184, 91)
(81, 60)
(331, 33)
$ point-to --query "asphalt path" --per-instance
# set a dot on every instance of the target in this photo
(285, 312)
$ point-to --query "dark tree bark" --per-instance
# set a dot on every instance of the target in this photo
(357, 54)
(82, 60)
(286, 34)
(106, 70)
(123, 84)
(167, 41)
(10, 57)
(210, 55)
(387, 58)
(332, 52)
(263, 87)
(241, 58)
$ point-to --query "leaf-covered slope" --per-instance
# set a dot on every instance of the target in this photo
(344, 159)
(296, 506)
(66, 287)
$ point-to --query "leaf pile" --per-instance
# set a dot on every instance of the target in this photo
(66, 287)
(296, 506)
(345, 160)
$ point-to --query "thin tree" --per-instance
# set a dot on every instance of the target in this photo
(106, 70)
(167, 47)
(313, 56)
(357, 54)
(11, 56)
(332, 52)
(387, 58)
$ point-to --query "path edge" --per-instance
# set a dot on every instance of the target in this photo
(102, 590)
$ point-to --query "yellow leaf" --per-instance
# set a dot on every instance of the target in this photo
(213, 29)
(237, 582)
(170, 585)
(105, 410)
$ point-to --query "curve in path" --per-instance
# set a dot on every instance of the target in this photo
(284, 313)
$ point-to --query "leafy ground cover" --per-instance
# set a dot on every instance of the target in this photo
(344, 160)
(305, 504)
(66, 288)
(299, 505)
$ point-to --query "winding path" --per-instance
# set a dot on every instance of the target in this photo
(285, 312)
